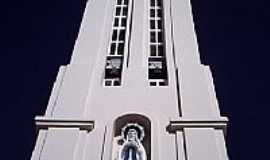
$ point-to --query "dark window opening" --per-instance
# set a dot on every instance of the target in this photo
(152, 3)
(157, 68)
(114, 36)
(120, 48)
(112, 49)
(126, 2)
(152, 50)
(160, 50)
(152, 24)
(152, 13)
(108, 83)
(124, 22)
(122, 35)
(116, 83)
(119, 2)
(160, 38)
(159, 3)
(118, 11)
(163, 83)
(125, 11)
(113, 68)
(116, 22)
(153, 83)
(159, 13)
(159, 24)
(152, 37)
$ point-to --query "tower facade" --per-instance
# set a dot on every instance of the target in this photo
(135, 89)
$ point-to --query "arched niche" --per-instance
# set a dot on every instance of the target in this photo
(128, 123)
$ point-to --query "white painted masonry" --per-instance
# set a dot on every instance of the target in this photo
(186, 124)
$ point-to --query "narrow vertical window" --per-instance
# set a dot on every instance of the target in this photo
(116, 50)
(157, 65)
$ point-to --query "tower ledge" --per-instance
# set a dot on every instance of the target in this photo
(181, 123)
(52, 122)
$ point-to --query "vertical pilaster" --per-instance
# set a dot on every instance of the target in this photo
(180, 145)
(195, 96)
(94, 148)
(54, 149)
(41, 139)
(201, 144)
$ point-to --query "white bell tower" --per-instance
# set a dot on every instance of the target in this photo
(135, 89)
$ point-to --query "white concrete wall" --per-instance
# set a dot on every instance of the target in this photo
(79, 92)
(196, 99)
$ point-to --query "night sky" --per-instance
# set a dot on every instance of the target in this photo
(234, 37)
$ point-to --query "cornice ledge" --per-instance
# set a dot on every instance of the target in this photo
(180, 123)
(53, 122)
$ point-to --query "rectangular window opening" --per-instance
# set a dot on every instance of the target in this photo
(152, 13)
(160, 37)
(123, 22)
(108, 83)
(126, 2)
(125, 11)
(118, 11)
(159, 24)
(116, 50)
(112, 49)
(163, 83)
(120, 48)
(159, 13)
(119, 2)
(116, 22)
(153, 83)
(160, 50)
(152, 24)
(152, 36)
(113, 67)
(152, 3)
(159, 3)
(153, 50)
(157, 64)
(122, 35)
(114, 35)
(157, 69)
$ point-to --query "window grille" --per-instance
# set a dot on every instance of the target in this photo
(157, 67)
(116, 51)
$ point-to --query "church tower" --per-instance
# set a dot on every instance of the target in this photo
(135, 89)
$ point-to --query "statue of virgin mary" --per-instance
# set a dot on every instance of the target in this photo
(132, 148)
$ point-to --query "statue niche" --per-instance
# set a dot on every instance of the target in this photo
(131, 138)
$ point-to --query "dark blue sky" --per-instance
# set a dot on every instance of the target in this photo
(234, 39)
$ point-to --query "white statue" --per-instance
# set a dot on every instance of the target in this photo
(132, 148)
